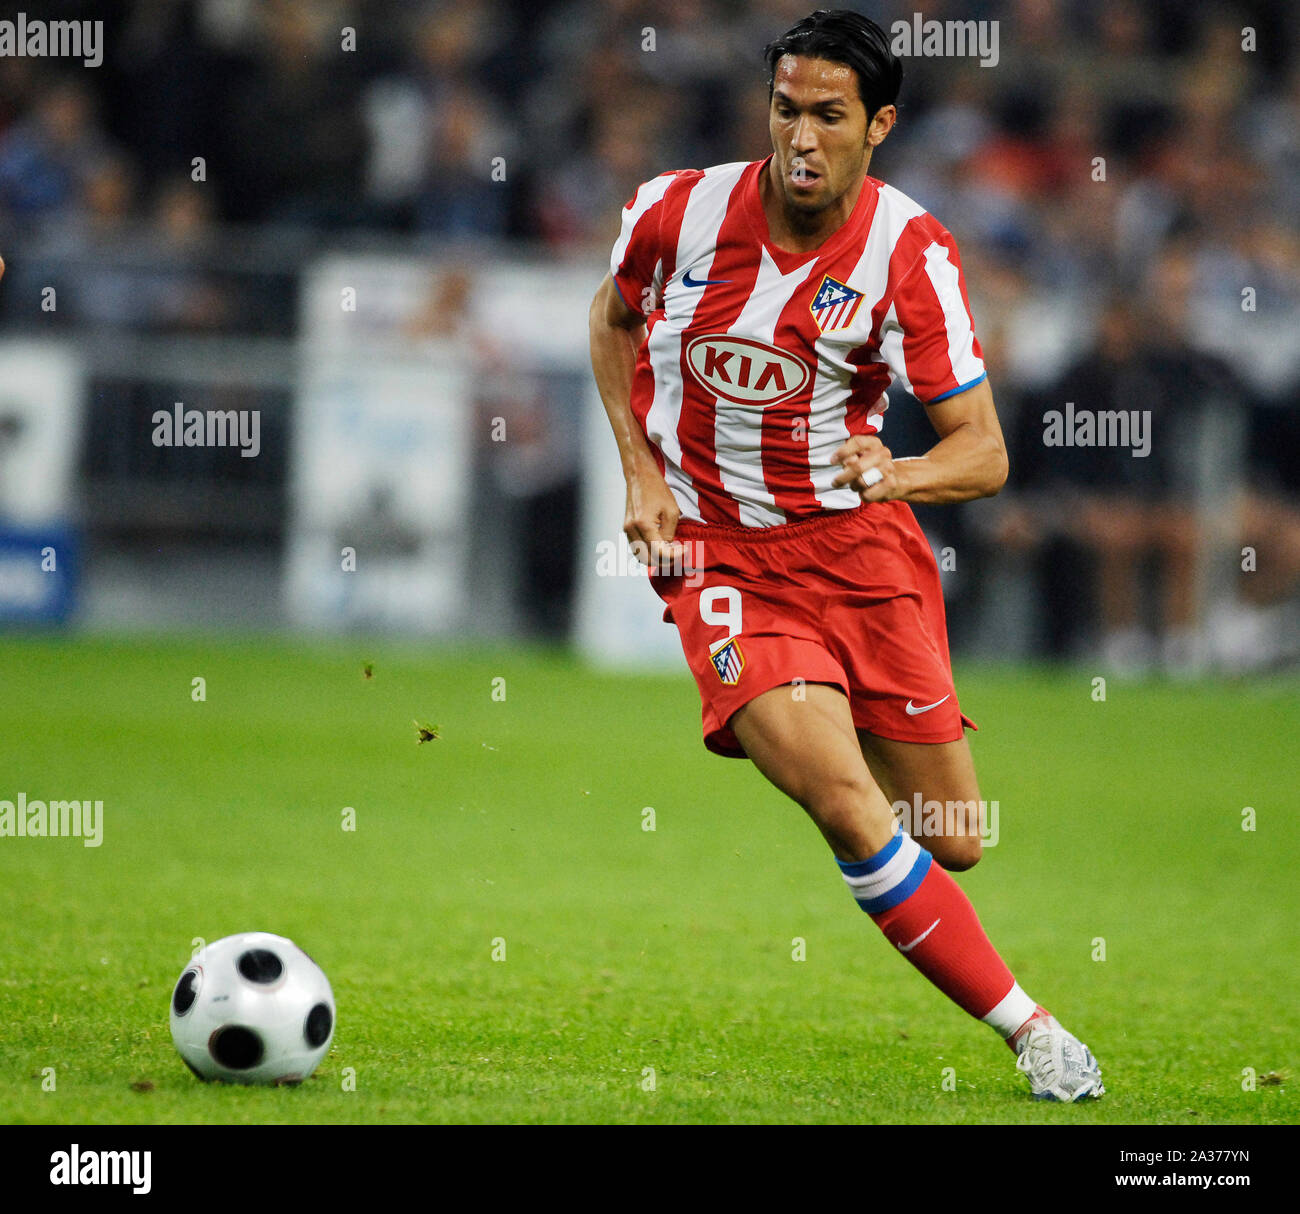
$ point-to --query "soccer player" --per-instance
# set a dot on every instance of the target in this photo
(754, 317)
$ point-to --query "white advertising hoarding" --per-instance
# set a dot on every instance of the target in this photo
(380, 455)
(40, 430)
(41, 391)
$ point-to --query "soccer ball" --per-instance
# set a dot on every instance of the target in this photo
(252, 1008)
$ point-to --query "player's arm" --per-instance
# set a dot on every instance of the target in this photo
(616, 335)
(969, 461)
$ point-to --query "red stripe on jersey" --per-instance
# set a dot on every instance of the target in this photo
(674, 204)
(717, 310)
(873, 374)
(869, 381)
(643, 393)
(635, 273)
(670, 209)
(911, 244)
(786, 474)
(925, 334)
(786, 470)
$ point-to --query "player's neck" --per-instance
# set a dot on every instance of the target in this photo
(795, 231)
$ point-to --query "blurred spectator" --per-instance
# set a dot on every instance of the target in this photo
(608, 175)
(1273, 133)
(526, 476)
(189, 294)
(442, 156)
(1124, 508)
(293, 140)
(44, 156)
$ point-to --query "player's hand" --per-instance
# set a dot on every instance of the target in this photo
(2, 267)
(858, 457)
(651, 521)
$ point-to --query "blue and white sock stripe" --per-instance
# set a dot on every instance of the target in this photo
(890, 876)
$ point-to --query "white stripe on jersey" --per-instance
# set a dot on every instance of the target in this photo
(649, 193)
(706, 208)
(828, 418)
(891, 347)
(738, 429)
(961, 337)
(665, 412)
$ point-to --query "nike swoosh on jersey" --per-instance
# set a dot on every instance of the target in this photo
(913, 711)
(907, 948)
(688, 281)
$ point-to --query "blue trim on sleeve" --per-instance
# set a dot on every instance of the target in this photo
(934, 400)
(614, 279)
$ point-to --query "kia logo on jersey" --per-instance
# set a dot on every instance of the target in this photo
(745, 371)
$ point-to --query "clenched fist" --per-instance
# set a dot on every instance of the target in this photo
(650, 519)
(867, 467)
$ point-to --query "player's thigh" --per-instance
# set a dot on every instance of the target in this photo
(806, 745)
(934, 787)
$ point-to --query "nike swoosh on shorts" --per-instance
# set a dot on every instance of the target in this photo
(913, 711)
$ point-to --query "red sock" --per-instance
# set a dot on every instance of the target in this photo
(937, 930)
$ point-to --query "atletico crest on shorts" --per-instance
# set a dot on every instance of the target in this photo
(728, 661)
(834, 305)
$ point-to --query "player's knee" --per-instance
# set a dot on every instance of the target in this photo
(957, 853)
(961, 843)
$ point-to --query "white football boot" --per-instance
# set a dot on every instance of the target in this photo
(1058, 1065)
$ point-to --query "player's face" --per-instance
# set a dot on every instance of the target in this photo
(819, 131)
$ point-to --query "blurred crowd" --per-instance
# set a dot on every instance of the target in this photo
(1124, 187)
(536, 119)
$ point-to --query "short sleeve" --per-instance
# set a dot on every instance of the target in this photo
(928, 335)
(636, 258)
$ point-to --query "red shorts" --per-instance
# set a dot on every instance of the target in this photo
(851, 599)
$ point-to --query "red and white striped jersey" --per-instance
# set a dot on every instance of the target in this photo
(758, 363)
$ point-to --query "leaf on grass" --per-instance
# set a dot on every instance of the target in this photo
(368, 670)
(142, 1085)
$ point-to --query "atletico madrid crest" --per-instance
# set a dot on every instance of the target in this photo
(834, 305)
(728, 661)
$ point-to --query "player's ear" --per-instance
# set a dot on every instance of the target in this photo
(881, 123)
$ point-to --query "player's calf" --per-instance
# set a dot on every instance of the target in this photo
(935, 795)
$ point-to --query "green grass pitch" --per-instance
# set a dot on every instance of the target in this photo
(649, 976)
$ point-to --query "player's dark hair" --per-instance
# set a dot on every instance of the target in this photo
(844, 37)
